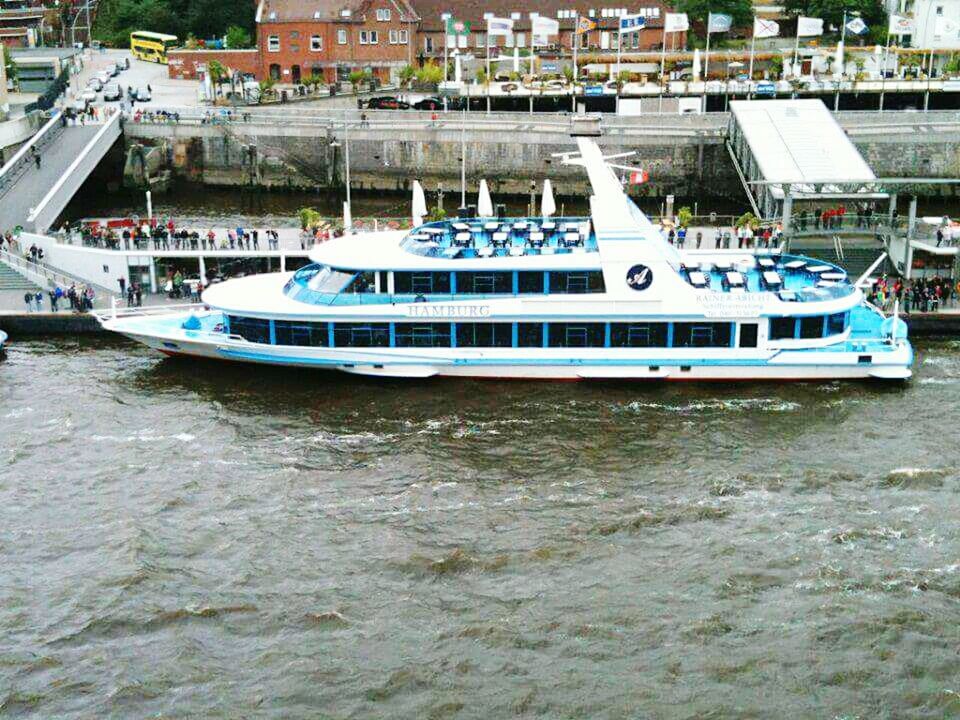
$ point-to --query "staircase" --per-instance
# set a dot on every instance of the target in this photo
(856, 261)
(10, 279)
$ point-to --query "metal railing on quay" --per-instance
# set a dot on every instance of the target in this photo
(42, 274)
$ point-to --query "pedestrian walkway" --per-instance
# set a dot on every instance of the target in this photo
(25, 183)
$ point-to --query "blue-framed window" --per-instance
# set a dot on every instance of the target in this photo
(484, 335)
(485, 283)
(530, 283)
(365, 282)
(576, 282)
(811, 327)
(302, 333)
(421, 283)
(702, 335)
(529, 335)
(577, 335)
(422, 334)
(783, 328)
(638, 334)
(361, 334)
(837, 323)
(250, 329)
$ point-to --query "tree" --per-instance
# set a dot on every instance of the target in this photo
(238, 38)
(218, 73)
(309, 218)
(698, 10)
(8, 65)
(832, 11)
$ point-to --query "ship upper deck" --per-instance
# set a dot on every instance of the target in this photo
(502, 237)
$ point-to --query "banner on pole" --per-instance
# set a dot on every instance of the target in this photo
(457, 27)
(676, 22)
(857, 27)
(901, 25)
(499, 26)
(632, 23)
(765, 28)
(639, 177)
(585, 25)
(809, 27)
(544, 26)
(719, 22)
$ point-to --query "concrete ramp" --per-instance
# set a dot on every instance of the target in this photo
(32, 197)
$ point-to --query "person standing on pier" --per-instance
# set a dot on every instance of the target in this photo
(36, 157)
(28, 299)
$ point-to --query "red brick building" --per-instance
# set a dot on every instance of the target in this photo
(185, 64)
(604, 13)
(331, 38)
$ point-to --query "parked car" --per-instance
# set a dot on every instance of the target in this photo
(79, 106)
(112, 69)
(387, 103)
(430, 103)
(112, 91)
(104, 77)
(142, 95)
(95, 84)
(89, 95)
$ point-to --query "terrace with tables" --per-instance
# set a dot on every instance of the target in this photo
(794, 279)
(490, 237)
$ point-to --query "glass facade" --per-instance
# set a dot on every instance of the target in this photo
(809, 328)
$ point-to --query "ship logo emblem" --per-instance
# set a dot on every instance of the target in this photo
(640, 277)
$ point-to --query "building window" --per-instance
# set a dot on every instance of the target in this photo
(294, 35)
(273, 43)
(383, 15)
(363, 37)
(341, 37)
(393, 37)
(404, 37)
(316, 43)
(374, 37)
(428, 44)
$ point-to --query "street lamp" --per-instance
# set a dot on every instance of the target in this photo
(347, 215)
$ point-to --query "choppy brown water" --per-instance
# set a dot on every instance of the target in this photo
(199, 540)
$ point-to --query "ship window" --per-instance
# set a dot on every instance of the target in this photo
(250, 329)
(364, 282)
(576, 282)
(422, 335)
(701, 335)
(421, 283)
(330, 280)
(811, 327)
(782, 328)
(638, 335)
(485, 283)
(484, 335)
(529, 335)
(530, 282)
(576, 334)
(307, 334)
(748, 335)
(361, 335)
(836, 324)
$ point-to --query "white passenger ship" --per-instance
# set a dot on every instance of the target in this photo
(604, 297)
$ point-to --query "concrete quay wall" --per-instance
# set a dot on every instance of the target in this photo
(683, 154)
(62, 323)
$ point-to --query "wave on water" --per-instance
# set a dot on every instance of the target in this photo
(734, 405)
(143, 437)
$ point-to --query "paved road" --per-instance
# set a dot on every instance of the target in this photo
(166, 92)
(33, 185)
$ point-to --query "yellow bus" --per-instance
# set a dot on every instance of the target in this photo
(151, 46)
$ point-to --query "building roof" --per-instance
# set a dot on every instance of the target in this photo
(431, 11)
(326, 10)
(43, 52)
(799, 141)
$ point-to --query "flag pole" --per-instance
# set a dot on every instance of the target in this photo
(663, 64)
(576, 43)
(753, 47)
(488, 67)
(883, 70)
(619, 56)
(706, 69)
(446, 45)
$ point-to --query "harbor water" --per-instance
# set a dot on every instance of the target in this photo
(195, 540)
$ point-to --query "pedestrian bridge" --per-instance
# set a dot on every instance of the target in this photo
(32, 196)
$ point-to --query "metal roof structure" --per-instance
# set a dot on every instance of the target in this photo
(796, 144)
